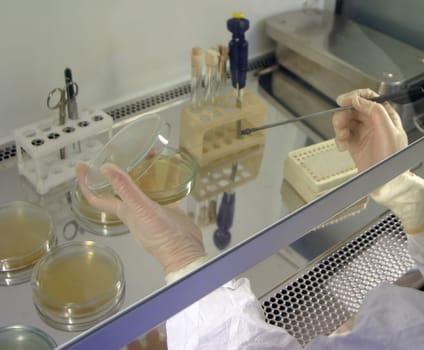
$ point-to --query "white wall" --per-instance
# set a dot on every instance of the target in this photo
(116, 49)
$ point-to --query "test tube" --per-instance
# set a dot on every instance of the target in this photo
(196, 76)
(222, 69)
(211, 76)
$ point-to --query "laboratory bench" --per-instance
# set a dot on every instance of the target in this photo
(299, 270)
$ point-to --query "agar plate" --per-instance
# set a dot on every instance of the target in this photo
(77, 285)
(21, 337)
(27, 233)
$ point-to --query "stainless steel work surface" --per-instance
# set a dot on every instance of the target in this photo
(260, 202)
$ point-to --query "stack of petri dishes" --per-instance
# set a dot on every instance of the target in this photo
(27, 234)
(77, 285)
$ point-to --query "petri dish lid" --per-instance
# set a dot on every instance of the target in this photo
(134, 148)
(77, 284)
(26, 234)
(21, 337)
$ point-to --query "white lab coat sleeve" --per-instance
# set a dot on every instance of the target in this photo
(404, 195)
(390, 317)
(416, 249)
(229, 318)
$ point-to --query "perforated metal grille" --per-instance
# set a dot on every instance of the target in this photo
(143, 104)
(329, 293)
(7, 152)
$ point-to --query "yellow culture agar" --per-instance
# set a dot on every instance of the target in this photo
(92, 214)
(26, 233)
(79, 282)
(170, 178)
(77, 279)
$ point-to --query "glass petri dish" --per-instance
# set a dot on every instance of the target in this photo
(26, 235)
(94, 220)
(22, 337)
(78, 284)
(133, 149)
(170, 178)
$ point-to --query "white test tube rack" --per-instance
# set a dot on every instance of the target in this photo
(38, 147)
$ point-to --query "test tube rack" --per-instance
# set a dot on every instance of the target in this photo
(38, 147)
(215, 178)
(209, 132)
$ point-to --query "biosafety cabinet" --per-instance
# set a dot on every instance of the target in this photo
(302, 226)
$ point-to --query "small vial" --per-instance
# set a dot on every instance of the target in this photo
(196, 76)
(211, 76)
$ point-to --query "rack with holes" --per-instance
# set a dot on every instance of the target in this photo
(215, 178)
(316, 169)
(209, 133)
(47, 153)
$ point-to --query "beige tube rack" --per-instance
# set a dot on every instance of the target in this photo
(209, 132)
(215, 178)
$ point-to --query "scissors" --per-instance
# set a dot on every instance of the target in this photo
(62, 101)
(61, 104)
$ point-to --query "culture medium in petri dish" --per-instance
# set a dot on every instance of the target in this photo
(141, 149)
(170, 178)
(26, 235)
(21, 337)
(77, 285)
(94, 220)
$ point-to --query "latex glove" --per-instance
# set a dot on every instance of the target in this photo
(404, 195)
(371, 131)
(166, 232)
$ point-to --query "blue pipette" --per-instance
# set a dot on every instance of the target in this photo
(238, 53)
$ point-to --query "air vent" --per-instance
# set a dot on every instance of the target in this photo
(330, 292)
(144, 104)
(7, 152)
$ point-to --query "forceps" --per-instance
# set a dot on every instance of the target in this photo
(410, 94)
(61, 104)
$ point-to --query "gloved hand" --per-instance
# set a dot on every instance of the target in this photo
(371, 131)
(166, 232)
(404, 195)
